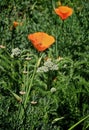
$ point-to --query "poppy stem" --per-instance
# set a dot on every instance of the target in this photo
(32, 80)
(12, 37)
(57, 37)
(56, 44)
(63, 31)
(63, 24)
(56, 47)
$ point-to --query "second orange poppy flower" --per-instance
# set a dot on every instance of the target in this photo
(64, 12)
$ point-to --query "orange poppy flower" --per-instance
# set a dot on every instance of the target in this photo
(15, 24)
(64, 12)
(41, 41)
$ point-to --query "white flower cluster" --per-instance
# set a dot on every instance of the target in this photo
(48, 65)
(15, 52)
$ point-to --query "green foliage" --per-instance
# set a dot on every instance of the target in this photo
(44, 90)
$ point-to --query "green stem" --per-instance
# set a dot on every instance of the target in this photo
(56, 47)
(53, 4)
(28, 88)
(56, 43)
(63, 31)
(33, 75)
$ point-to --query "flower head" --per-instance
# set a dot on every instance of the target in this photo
(15, 24)
(53, 90)
(48, 66)
(15, 52)
(64, 12)
(41, 41)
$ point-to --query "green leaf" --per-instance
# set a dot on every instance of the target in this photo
(57, 119)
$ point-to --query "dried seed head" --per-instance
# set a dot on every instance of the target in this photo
(28, 58)
(33, 102)
(22, 92)
(1, 46)
(25, 72)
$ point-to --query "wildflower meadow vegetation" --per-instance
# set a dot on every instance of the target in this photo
(44, 65)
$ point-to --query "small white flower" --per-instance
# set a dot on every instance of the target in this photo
(54, 67)
(48, 63)
(15, 52)
(53, 90)
(42, 69)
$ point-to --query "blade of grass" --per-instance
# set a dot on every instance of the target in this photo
(78, 122)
